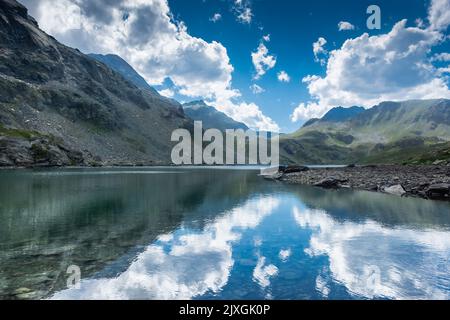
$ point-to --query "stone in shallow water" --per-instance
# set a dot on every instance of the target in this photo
(438, 191)
(396, 190)
(276, 176)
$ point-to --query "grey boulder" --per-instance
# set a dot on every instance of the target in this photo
(396, 190)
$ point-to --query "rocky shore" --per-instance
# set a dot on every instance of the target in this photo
(427, 182)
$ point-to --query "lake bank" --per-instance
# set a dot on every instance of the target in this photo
(427, 182)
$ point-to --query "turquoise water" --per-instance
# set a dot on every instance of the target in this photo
(196, 233)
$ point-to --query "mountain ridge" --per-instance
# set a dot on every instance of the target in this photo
(211, 118)
(118, 64)
(388, 132)
(337, 114)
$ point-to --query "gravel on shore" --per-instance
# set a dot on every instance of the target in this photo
(428, 182)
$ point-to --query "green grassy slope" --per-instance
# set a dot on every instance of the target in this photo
(392, 132)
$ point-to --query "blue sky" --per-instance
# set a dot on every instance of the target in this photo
(293, 27)
(184, 54)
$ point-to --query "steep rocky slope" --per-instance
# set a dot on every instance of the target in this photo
(61, 107)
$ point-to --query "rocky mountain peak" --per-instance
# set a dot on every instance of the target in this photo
(18, 28)
(196, 104)
(339, 114)
(14, 7)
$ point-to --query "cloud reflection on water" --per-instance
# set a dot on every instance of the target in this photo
(374, 261)
(182, 265)
(367, 258)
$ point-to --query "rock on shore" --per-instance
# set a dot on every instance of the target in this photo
(37, 152)
(428, 182)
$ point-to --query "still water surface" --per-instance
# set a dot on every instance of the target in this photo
(192, 233)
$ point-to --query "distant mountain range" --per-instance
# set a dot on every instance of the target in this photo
(196, 110)
(411, 131)
(338, 114)
(211, 118)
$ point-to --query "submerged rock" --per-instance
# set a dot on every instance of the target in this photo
(396, 190)
(275, 176)
(273, 170)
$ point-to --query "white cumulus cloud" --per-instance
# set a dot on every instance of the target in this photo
(444, 57)
(419, 23)
(248, 113)
(444, 70)
(216, 17)
(439, 14)
(169, 93)
(243, 11)
(256, 89)
(319, 50)
(283, 76)
(344, 25)
(262, 60)
(370, 69)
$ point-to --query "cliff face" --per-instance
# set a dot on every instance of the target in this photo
(60, 107)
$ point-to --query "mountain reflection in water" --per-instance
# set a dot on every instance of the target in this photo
(188, 233)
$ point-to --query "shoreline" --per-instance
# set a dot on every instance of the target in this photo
(430, 182)
(254, 167)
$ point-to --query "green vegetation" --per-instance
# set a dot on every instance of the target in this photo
(39, 151)
(28, 135)
(19, 133)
